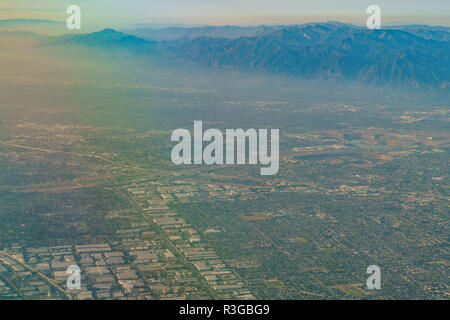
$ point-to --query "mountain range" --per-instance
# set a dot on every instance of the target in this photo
(330, 51)
(413, 56)
(108, 39)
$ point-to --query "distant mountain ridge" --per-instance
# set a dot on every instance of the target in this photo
(41, 26)
(29, 21)
(176, 33)
(415, 56)
(171, 33)
(106, 38)
(109, 39)
(331, 51)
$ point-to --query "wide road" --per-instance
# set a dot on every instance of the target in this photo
(51, 282)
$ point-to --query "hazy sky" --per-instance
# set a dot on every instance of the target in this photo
(122, 12)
